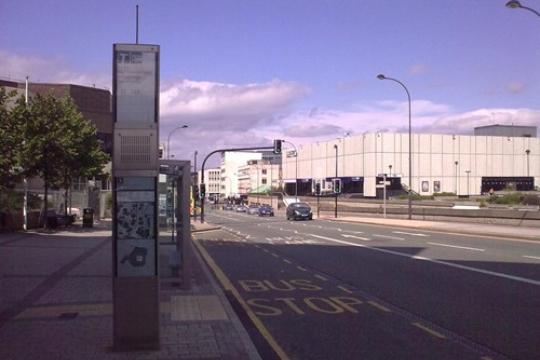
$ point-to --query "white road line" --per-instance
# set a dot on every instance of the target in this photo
(440, 262)
(408, 233)
(356, 237)
(389, 237)
(456, 247)
(531, 257)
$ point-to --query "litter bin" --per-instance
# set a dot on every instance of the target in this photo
(88, 217)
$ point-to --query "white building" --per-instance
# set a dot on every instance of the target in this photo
(230, 162)
(258, 176)
(461, 164)
(212, 179)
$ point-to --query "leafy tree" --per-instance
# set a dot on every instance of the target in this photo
(60, 144)
(11, 141)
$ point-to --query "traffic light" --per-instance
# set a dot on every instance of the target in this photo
(202, 191)
(337, 186)
(160, 153)
(196, 192)
(318, 189)
(277, 146)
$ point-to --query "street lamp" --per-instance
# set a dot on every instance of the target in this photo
(169, 139)
(468, 182)
(336, 194)
(390, 170)
(296, 170)
(527, 152)
(456, 163)
(383, 77)
(515, 4)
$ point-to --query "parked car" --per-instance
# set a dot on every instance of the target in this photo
(228, 207)
(253, 209)
(241, 208)
(266, 210)
(300, 211)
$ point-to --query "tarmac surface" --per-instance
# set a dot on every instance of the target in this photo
(56, 303)
(349, 289)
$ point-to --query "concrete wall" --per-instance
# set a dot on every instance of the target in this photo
(433, 159)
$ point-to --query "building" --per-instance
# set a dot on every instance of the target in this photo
(230, 162)
(258, 176)
(93, 103)
(212, 179)
(506, 130)
(461, 164)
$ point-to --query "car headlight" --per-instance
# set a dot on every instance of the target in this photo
(297, 212)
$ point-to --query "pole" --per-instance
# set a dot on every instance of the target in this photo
(25, 181)
(336, 194)
(169, 139)
(383, 77)
(224, 150)
(527, 152)
(384, 196)
(318, 207)
(173, 211)
(136, 24)
(468, 182)
(196, 184)
(295, 171)
(456, 163)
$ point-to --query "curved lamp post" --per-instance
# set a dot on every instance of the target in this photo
(169, 139)
(383, 77)
(515, 4)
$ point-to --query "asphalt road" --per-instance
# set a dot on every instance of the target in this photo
(329, 290)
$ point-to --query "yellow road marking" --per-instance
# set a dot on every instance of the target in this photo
(345, 289)
(226, 283)
(379, 306)
(429, 331)
(287, 261)
(320, 277)
(301, 268)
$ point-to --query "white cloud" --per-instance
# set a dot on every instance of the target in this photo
(515, 87)
(39, 69)
(417, 69)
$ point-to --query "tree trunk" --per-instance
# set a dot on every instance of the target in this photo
(46, 185)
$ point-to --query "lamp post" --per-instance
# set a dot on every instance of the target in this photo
(456, 163)
(389, 170)
(515, 4)
(527, 152)
(295, 171)
(195, 178)
(169, 139)
(383, 77)
(336, 194)
(468, 182)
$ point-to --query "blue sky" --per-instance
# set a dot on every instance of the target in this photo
(304, 70)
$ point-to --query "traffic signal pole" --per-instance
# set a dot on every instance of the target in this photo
(274, 147)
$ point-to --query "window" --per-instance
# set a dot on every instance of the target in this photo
(425, 186)
(264, 181)
(436, 186)
(264, 171)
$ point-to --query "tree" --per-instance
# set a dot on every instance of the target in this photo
(60, 144)
(11, 140)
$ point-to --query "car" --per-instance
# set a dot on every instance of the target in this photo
(266, 210)
(253, 209)
(241, 208)
(227, 207)
(299, 211)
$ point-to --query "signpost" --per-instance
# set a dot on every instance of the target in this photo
(383, 185)
(135, 197)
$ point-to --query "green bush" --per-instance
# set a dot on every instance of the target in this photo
(416, 197)
(507, 199)
(444, 194)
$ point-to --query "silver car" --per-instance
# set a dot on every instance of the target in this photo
(253, 209)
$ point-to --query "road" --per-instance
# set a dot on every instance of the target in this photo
(330, 290)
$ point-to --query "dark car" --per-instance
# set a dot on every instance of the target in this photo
(266, 210)
(298, 211)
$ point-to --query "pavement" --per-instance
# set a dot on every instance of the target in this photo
(56, 303)
(492, 230)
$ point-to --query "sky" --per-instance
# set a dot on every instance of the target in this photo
(245, 72)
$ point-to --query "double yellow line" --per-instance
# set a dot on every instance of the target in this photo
(227, 285)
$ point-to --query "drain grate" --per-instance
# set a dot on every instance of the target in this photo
(68, 315)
